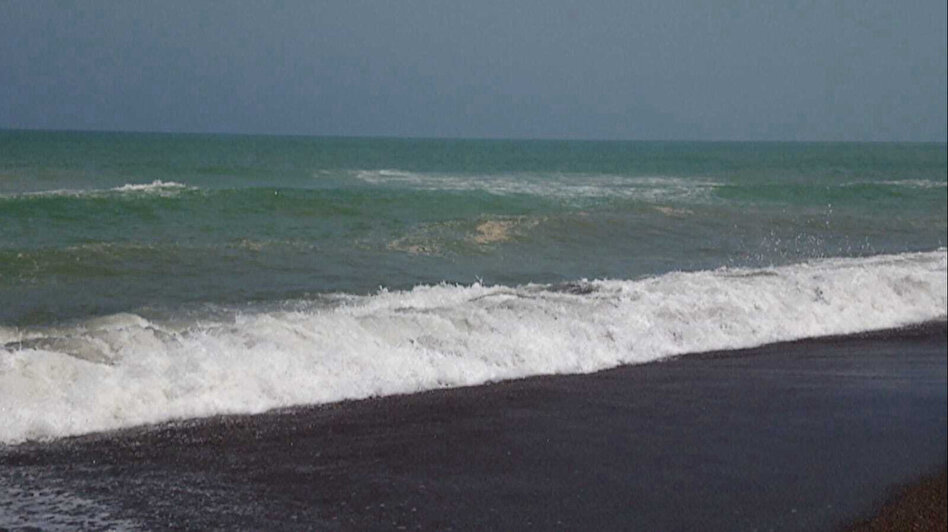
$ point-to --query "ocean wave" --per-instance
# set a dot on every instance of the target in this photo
(552, 185)
(124, 370)
(156, 187)
(907, 183)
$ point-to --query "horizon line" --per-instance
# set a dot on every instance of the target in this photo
(451, 138)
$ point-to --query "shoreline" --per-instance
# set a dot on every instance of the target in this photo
(915, 331)
(802, 435)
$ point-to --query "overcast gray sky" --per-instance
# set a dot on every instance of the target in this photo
(711, 70)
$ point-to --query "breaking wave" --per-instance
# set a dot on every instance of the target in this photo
(124, 370)
(551, 185)
(156, 187)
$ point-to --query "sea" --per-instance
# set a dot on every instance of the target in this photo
(149, 277)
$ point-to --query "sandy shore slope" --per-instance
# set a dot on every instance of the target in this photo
(807, 435)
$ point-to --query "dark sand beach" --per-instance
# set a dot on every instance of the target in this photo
(808, 435)
(922, 505)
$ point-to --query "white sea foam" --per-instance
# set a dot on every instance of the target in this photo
(647, 188)
(124, 370)
(916, 183)
(156, 187)
(901, 183)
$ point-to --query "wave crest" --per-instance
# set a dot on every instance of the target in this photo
(125, 370)
(560, 186)
(156, 187)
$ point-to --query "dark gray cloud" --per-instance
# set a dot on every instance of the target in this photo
(860, 70)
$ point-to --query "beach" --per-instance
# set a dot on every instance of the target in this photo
(214, 331)
(473, 266)
(804, 435)
(917, 506)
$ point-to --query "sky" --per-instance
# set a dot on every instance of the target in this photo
(864, 70)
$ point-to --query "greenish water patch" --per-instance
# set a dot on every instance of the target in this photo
(105, 222)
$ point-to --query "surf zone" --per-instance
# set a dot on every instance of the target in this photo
(129, 369)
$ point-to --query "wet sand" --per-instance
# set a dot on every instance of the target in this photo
(921, 506)
(810, 435)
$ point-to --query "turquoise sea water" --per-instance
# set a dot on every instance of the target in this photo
(148, 277)
(97, 223)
